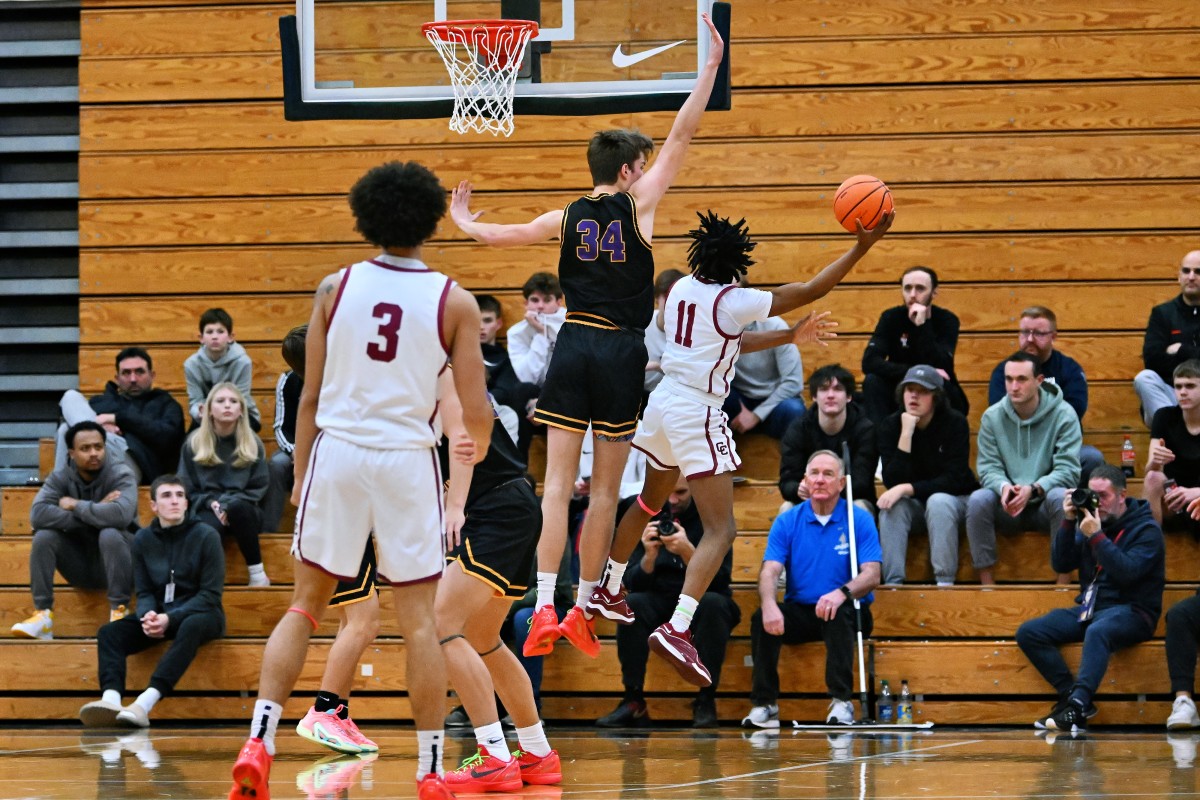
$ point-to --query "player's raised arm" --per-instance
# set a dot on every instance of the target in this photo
(314, 369)
(461, 326)
(540, 229)
(650, 188)
(793, 295)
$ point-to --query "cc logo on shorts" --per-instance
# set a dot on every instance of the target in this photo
(722, 448)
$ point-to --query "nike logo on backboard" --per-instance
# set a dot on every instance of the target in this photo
(620, 60)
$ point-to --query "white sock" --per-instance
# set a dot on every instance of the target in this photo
(148, 698)
(681, 620)
(491, 739)
(585, 591)
(264, 723)
(533, 740)
(616, 571)
(255, 569)
(429, 753)
(111, 696)
(545, 589)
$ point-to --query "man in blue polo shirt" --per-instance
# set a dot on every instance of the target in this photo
(812, 541)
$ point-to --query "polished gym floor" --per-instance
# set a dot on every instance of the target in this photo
(731, 764)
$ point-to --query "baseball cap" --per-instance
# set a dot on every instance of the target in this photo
(924, 375)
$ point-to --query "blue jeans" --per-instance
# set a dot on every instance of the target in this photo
(532, 664)
(777, 422)
(1111, 629)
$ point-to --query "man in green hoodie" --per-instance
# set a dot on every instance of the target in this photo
(1027, 461)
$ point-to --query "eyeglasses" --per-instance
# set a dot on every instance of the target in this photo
(1028, 334)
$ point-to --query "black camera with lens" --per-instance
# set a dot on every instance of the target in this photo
(1085, 500)
(666, 524)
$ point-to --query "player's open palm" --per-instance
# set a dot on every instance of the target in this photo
(460, 204)
(815, 327)
(867, 238)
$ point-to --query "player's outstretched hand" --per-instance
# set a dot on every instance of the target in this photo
(716, 45)
(866, 238)
(814, 328)
(460, 204)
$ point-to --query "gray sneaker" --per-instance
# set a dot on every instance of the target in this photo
(99, 714)
(762, 717)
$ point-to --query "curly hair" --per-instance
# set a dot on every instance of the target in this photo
(720, 249)
(398, 204)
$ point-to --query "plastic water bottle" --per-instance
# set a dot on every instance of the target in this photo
(887, 709)
(1128, 458)
(904, 709)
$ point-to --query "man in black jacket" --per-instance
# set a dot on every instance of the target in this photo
(926, 450)
(1118, 549)
(1172, 337)
(179, 570)
(914, 333)
(833, 419)
(654, 579)
(144, 424)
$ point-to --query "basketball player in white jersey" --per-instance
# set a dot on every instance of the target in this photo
(684, 429)
(380, 334)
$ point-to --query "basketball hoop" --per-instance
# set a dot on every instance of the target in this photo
(482, 57)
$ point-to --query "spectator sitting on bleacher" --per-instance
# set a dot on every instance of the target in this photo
(654, 579)
(917, 332)
(1037, 331)
(224, 467)
(531, 341)
(656, 337)
(179, 569)
(1028, 458)
(926, 451)
(514, 397)
(812, 542)
(766, 385)
(81, 518)
(144, 425)
(218, 360)
(1175, 453)
(287, 401)
(1118, 549)
(832, 419)
(1172, 337)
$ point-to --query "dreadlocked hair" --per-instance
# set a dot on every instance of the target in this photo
(720, 249)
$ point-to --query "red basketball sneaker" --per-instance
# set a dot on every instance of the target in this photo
(251, 772)
(677, 648)
(543, 632)
(580, 631)
(610, 606)
(483, 772)
(539, 770)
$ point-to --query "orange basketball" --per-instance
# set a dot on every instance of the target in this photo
(862, 197)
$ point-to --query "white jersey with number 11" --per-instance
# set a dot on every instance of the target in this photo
(703, 326)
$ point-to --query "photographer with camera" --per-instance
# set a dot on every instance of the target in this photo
(1118, 549)
(654, 579)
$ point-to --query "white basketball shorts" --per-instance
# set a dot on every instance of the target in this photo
(350, 491)
(677, 431)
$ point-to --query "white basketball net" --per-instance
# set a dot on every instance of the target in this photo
(483, 58)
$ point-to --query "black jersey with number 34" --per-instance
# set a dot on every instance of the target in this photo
(605, 266)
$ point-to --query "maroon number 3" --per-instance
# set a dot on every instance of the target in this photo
(389, 331)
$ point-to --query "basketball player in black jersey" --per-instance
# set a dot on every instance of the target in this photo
(492, 526)
(606, 269)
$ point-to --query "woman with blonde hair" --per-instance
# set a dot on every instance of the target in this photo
(224, 469)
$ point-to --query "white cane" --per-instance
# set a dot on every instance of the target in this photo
(862, 661)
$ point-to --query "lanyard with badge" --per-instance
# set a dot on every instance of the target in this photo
(1087, 606)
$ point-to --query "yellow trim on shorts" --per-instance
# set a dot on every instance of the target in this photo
(538, 412)
(603, 323)
(614, 428)
(335, 603)
(467, 569)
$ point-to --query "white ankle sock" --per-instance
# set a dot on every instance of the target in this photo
(429, 753)
(491, 739)
(681, 620)
(545, 589)
(264, 723)
(585, 591)
(111, 696)
(533, 740)
(148, 699)
(616, 571)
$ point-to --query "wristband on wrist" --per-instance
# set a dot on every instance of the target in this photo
(844, 589)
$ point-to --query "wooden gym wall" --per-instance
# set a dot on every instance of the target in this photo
(1040, 151)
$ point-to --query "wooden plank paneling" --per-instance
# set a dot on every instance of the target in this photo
(975, 159)
(1000, 207)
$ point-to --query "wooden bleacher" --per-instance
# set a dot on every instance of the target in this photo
(1032, 158)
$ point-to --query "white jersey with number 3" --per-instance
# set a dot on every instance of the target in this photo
(703, 327)
(384, 350)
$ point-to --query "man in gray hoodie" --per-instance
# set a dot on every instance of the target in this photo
(81, 519)
(1027, 461)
